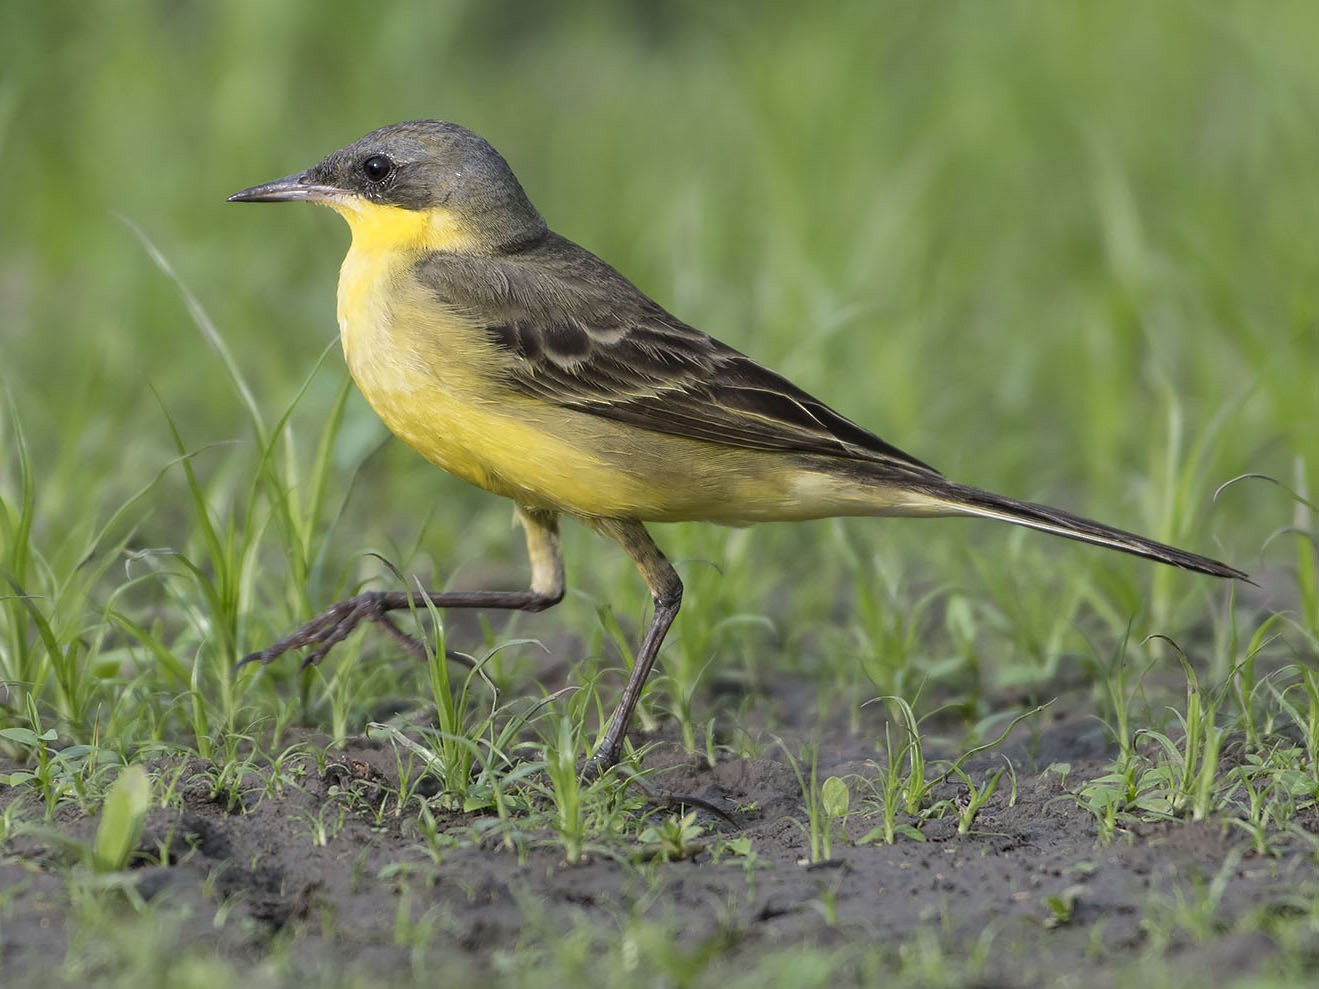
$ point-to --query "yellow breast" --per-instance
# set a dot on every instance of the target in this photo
(396, 362)
(436, 378)
(433, 375)
(386, 242)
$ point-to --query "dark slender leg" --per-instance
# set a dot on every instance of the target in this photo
(666, 589)
(333, 625)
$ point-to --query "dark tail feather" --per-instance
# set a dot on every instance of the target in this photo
(964, 500)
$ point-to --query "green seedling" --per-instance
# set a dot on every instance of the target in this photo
(742, 851)
(567, 791)
(123, 816)
(58, 774)
(1061, 907)
(826, 804)
(675, 838)
(977, 796)
(890, 785)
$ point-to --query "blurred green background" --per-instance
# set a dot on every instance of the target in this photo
(1065, 251)
(1068, 251)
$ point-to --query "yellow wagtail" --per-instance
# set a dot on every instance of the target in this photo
(527, 366)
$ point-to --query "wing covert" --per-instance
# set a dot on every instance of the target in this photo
(580, 335)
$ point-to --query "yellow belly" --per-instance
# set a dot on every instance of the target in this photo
(434, 377)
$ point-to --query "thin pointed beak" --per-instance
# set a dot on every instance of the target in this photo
(290, 188)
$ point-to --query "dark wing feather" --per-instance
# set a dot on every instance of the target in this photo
(580, 335)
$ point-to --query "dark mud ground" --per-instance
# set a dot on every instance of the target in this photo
(335, 907)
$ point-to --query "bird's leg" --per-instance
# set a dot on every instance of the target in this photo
(666, 590)
(334, 624)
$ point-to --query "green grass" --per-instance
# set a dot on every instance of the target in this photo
(1064, 252)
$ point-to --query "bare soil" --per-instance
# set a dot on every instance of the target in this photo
(998, 889)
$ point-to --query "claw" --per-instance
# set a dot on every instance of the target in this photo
(670, 801)
(326, 630)
(337, 622)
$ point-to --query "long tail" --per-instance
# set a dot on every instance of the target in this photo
(961, 499)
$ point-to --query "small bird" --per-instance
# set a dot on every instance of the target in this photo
(524, 364)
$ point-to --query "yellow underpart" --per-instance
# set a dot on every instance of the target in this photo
(380, 228)
(436, 379)
(382, 237)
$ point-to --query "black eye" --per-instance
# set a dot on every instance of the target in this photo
(377, 168)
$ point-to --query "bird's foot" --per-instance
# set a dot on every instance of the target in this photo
(334, 624)
(603, 761)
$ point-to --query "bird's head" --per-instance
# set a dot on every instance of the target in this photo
(424, 183)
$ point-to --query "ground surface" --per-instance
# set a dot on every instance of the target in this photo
(1028, 896)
